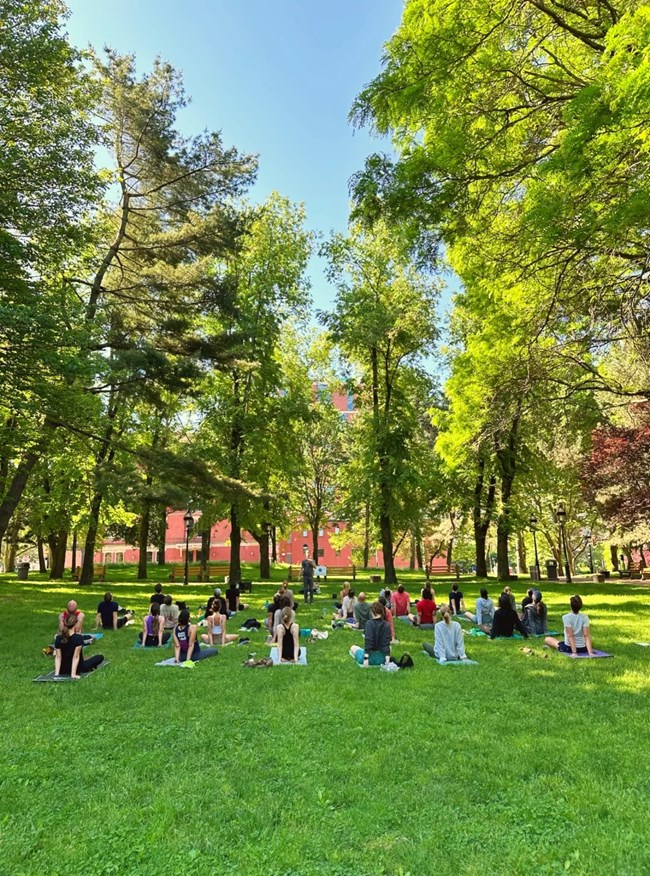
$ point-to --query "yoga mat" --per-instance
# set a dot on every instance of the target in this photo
(302, 660)
(541, 635)
(137, 646)
(588, 656)
(455, 662)
(171, 661)
(59, 678)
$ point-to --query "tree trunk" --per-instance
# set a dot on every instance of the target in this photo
(450, 551)
(366, 537)
(42, 566)
(613, 555)
(11, 549)
(314, 543)
(412, 552)
(57, 543)
(206, 544)
(143, 536)
(521, 547)
(386, 530)
(19, 480)
(481, 519)
(274, 544)
(263, 540)
(73, 560)
(235, 545)
(86, 576)
(418, 548)
(507, 459)
(162, 535)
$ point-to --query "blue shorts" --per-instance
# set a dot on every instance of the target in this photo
(562, 646)
(375, 658)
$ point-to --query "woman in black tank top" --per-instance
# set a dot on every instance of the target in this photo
(288, 632)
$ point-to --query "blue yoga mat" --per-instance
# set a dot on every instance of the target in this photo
(302, 659)
(587, 656)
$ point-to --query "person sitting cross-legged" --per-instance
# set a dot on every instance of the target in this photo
(426, 608)
(217, 627)
(535, 615)
(107, 614)
(71, 609)
(448, 638)
(153, 628)
(169, 611)
(506, 620)
(377, 638)
(361, 612)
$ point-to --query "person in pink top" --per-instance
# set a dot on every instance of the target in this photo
(389, 618)
(401, 602)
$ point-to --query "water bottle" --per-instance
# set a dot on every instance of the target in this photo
(366, 662)
(387, 660)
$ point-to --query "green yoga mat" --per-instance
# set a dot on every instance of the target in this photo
(455, 662)
(137, 646)
(57, 679)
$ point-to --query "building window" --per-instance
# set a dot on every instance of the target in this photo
(119, 557)
(150, 556)
(108, 558)
(321, 531)
(336, 530)
(338, 554)
(305, 533)
(321, 553)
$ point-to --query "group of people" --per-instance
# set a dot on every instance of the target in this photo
(166, 619)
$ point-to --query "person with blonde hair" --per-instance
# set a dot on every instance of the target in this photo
(448, 638)
(287, 635)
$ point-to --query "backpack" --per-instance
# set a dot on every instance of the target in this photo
(405, 661)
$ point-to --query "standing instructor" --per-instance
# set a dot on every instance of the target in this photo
(307, 568)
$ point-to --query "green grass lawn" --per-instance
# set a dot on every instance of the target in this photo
(520, 765)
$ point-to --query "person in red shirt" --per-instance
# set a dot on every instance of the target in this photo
(426, 608)
(401, 602)
(72, 609)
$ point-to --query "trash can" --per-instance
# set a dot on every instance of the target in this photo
(22, 571)
(551, 570)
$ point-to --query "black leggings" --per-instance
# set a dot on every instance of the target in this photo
(152, 641)
(90, 664)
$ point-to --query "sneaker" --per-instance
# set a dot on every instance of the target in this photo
(244, 640)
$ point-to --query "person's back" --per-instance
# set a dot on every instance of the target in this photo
(448, 638)
(506, 620)
(484, 611)
(232, 598)
(348, 604)
(67, 647)
(377, 635)
(362, 612)
(170, 613)
(157, 596)
(401, 601)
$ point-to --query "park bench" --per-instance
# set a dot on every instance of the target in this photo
(99, 572)
(448, 571)
(177, 571)
(635, 569)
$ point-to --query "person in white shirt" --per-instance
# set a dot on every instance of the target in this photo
(577, 636)
(448, 638)
(348, 604)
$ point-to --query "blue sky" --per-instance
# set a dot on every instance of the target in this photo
(277, 77)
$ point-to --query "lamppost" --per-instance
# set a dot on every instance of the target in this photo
(533, 526)
(586, 534)
(189, 523)
(561, 519)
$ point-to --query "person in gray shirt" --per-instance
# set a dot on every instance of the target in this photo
(484, 612)
(361, 612)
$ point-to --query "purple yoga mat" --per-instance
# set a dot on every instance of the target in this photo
(588, 656)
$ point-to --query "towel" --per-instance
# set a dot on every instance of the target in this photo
(302, 660)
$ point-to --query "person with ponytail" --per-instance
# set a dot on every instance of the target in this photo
(186, 646)
(535, 614)
(448, 638)
(68, 652)
(153, 628)
(287, 633)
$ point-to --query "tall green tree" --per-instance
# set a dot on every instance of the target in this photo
(384, 322)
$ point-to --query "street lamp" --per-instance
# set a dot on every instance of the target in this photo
(586, 534)
(561, 519)
(533, 526)
(189, 523)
